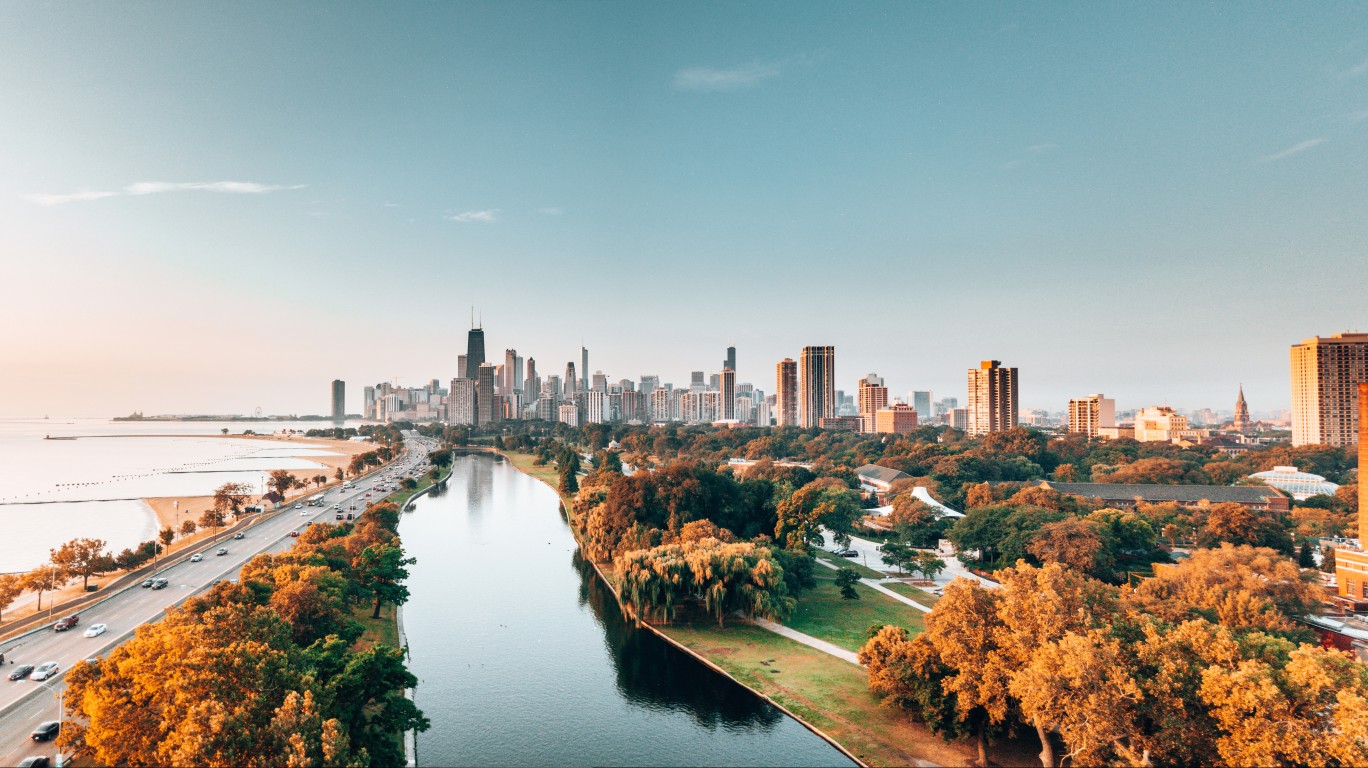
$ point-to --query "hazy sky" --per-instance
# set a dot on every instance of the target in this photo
(213, 207)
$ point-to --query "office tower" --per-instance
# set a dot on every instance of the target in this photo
(727, 395)
(551, 388)
(600, 382)
(786, 393)
(899, 419)
(339, 399)
(992, 398)
(1351, 562)
(571, 383)
(368, 403)
(461, 367)
(714, 381)
(510, 380)
(730, 363)
(488, 409)
(1325, 374)
(816, 385)
(584, 368)
(872, 396)
(921, 400)
(568, 414)
(461, 402)
(475, 351)
(762, 413)
(1088, 414)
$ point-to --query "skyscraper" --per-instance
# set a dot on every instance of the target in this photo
(921, 400)
(531, 385)
(474, 352)
(786, 393)
(584, 368)
(1325, 375)
(512, 378)
(1088, 414)
(572, 384)
(816, 385)
(461, 367)
(730, 362)
(726, 404)
(872, 396)
(992, 398)
(339, 400)
(1241, 423)
(488, 409)
(461, 402)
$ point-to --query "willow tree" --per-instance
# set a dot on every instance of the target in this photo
(723, 577)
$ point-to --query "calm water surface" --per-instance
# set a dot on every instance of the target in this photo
(523, 658)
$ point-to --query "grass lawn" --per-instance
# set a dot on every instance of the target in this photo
(827, 692)
(846, 562)
(823, 613)
(382, 630)
(907, 590)
(523, 462)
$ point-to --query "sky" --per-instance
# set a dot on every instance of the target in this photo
(211, 207)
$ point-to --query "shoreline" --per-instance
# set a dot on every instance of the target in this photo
(699, 657)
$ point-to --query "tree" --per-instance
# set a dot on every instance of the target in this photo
(846, 579)
(1305, 555)
(722, 577)
(281, 481)
(1328, 559)
(826, 502)
(11, 587)
(408, 484)
(82, 557)
(188, 528)
(167, 535)
(230, 497)
(381, 570)
(965, 631)
(338, 475)
(1237, 524)
(928, 565)
(1073, 542)
(897, 554)
(569, 486)
(44, 578)
(907, 673)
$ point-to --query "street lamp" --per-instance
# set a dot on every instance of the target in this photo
(60, 695)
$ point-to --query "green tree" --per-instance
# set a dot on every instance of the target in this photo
(380, 571)
(1305, 556)
(569, 486)
(846, 579)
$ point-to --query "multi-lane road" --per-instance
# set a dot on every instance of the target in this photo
(26, 703)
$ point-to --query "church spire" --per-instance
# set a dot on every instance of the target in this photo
(1241, 423)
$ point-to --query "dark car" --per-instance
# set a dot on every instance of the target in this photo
(147, 583)
(848, 553)
(21, 672)
(63, 625)
(35, 761)
(160, 583)
(47, 730)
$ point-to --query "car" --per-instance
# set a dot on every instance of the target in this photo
(239, 535)
(160, 583)
(44, 671)
(221, 551)
(35, 761)
(63, 625)
(93, 660)
(294, 534)
(20, 672)
(305, 513)
(147, 584)
(96, 630)
(349, 516)
(339, 515)
(197, 557)
(368, 494)
(46, 731)
(298, 506)
(847, 553)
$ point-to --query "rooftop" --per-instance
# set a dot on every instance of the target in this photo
(1242, 494)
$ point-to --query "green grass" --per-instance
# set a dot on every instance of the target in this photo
(907, 590)
(824, 614)
(525, 463)
(848, 562)
(830, 694)
(382, 630)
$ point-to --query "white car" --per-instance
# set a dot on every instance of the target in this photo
(96, 630)
(44, 671)
(197, 557)
(299, 506)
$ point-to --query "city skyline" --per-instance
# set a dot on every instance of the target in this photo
(176, 211)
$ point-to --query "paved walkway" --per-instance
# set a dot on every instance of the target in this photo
(808, 640)
(878, 586)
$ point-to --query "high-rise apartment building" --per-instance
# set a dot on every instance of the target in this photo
(786, 393)
(475, 353)
(488, 408)
(568, 414)
(727, 395)
(600, 383)
(1088, 414)
(660, 405)
(368, 403)
(1326, 372)
(461, 367)
(992, 398)
(921, 400)
(958, 418)
(871, 396)
(816, 385)
(596, 409)
(339, 399)
(531, 384)
(460, 403)
(1351, 563)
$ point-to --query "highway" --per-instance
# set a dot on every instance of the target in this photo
(26, 703)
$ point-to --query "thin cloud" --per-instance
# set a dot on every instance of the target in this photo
(1359, 116)
(390, 205)
(1295, 149)
(1037, 149)
(156, 187)
(482, 217)
(74, 197)
(1358, 70)
(551, 211)
(733, 79)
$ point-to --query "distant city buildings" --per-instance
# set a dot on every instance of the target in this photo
(872, 396)
(786, 393)
(475, 351)
(1087, 415)
(898, 419)
(339, 400)
(992, 398)
(816, 385)
(487, 409)
(1326, 372)
(921, 401)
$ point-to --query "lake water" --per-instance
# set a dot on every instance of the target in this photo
(54, 490)
(524, 659)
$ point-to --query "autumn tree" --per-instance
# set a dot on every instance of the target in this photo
(167, 535)
(211, 518)
(44, 578)
(825, 502)
(1237, 524)
(11, 587)
(229, 498)
(1073, 542)
(281, 481)
(188, 528)
(82, 557)
(721, 577)
(965, 631)
(907, 673)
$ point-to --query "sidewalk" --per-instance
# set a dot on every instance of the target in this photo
(808, 640)
(878, 586)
